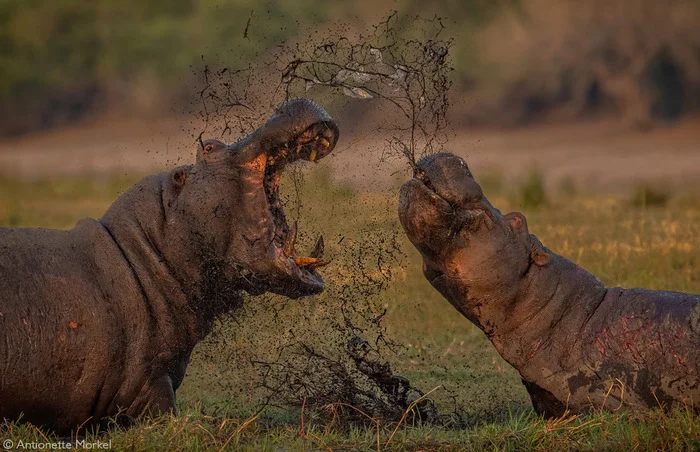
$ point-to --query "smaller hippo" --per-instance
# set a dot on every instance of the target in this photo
(576, 343)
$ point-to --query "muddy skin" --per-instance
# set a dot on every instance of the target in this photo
(576, 343)
(101, 319)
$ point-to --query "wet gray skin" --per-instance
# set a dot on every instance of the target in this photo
(576, 343)
(101, 319)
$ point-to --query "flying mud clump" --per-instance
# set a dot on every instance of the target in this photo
(405, 68)
(304, 376)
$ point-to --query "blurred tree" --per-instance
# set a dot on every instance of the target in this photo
(628, 54)
(60, 59)
(49, 52)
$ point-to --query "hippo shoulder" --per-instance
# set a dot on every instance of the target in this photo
(34, 261)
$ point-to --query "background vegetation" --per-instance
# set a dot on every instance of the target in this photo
(63, 60)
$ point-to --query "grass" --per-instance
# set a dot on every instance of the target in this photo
(646, 195)
(619, 242)
(532, 193)
(653, 430)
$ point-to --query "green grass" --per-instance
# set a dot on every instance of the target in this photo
(654, 430)
(57, 202)
(532, 193)
(622, 244)
(650, 196)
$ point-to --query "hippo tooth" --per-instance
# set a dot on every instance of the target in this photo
(312, 156)
(318, 249)
(310, 262)
(306, 136)
(299, 147)
(291, 240)
(324, 142)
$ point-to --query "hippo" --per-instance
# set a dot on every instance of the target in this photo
(577, 344)
(100, 320)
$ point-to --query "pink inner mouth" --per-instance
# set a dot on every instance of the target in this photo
(312, 144)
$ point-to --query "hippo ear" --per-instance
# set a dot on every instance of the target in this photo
(207, 150)
(539, 255)
(179, 176)
(540, 258)
(517, 220)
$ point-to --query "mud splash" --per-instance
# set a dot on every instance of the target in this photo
(328, 354)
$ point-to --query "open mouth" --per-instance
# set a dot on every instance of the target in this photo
(312, 144)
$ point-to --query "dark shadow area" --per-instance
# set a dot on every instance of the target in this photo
(667, 85)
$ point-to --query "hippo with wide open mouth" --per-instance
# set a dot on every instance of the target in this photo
(101, 319)
(576, 343)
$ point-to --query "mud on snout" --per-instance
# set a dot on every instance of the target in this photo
(441, 200)
(449, 220)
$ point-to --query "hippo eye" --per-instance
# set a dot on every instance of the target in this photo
(212, 145)
(427, 183)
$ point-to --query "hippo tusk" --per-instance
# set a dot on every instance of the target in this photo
(318, 248)
(310, 262)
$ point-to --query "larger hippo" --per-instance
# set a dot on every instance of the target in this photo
(100, 320)
(576, 343)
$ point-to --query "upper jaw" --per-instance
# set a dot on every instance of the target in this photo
(449, 179)
(294, 121)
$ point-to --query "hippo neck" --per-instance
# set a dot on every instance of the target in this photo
(551, 310)
(136, 221)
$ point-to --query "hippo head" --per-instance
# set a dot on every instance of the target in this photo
(472, 254)
(226, 212)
